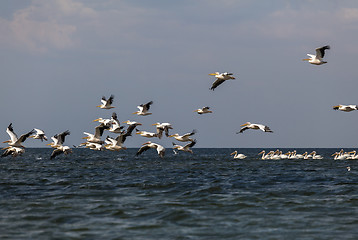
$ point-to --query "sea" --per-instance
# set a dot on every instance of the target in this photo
(206, 195)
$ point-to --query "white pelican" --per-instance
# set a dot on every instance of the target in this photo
(203, 110)
(255, 126)
(131, 126)
(340, 155)
(39, 135)
(238, 155)
(96, 137)
(160, 149)
(314, 155)
(94, 146)
(143, 109)
(14, 151)
(346, 108)
(163, 127)
(185, 137)
(59, 139)
(146, 134)
(267, 156)
(115, 128)
(185, 148)
(353, 155)
(220, 78)
(104, 121)
(14, 140)
(318, 58)
(60, 149)
(115, 144)
(106, 103)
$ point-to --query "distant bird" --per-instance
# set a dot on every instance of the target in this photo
(255, 126)
(94, 146)
(220, 78)
(162, 127)
(39, 135)
(238, 155)
(14, 140)
(131, 126)
(143, 109)
(104, 121)
(346, 108)
(146, 134)
(185, 148)
(318, 58)
(14, 151)
(115, 128)
(59, 150)
(203, 110)
(59, 139)
(185, 137)
(115, 144)
(96, 137)
(106, 103)
(160, 149)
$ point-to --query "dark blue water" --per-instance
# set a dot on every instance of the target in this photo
(207, 195)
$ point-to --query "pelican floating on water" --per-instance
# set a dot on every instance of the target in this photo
(143, 109)
(255, 126)
(346, 108)
(160, 149)
(238, 155)
(318, 58)
(185, 148)
(220, 78)
(203, 110)
(106, 103)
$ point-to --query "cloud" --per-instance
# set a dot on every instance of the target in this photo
(43, 25)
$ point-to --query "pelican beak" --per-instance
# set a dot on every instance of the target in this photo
(49, 144)
(232, 153)
(96, 120)
(138, 132)
(244, 124)
(99, 106)
(171, 136)
(306, 59)
(196, 110)
(154, 124)
(135, 113)
(5, 148)
(212, 74)
(85, 138)
(6, 141)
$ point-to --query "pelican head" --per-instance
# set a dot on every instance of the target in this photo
(174, 135)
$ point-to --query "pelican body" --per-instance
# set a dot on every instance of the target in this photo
(318, 58)
(220, 78)
(254, 126)
(143, 109)
(160, 149)
(185, 137)
(238, 155)
(106, 103)
(346, 108)
(185, 148)
(203, 110)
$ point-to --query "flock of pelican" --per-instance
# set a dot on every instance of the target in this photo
(94, 140)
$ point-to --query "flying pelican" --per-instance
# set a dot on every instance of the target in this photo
(115, 144)
(238, 155)
(160, 149)
(96, 137)
(146, 134)
(185, 148)
(60, 149)
(220, 78)
(14, 140)
(317, 59)
(185, 137)
(94, 146)
(143, 109)
(115, 128)
(59, 139)
(162, 127)
(203, 110)
(346, 108)
(39, 135)
(131, 126)
(104, 121)
(14, 151)
(249, 125)
(106, 103)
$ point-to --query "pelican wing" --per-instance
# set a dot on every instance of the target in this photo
(216, 84)
(320, 51)
(55, 153)
(142, 149)
(61, 136)
(191, 144)
(11, 133)
(99, 130)
(23, 137)
(110, 100)
(147, 105)
(243, 129)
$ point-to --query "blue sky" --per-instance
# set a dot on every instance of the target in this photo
(59, 58)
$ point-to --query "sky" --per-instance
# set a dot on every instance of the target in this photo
(59, 57)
